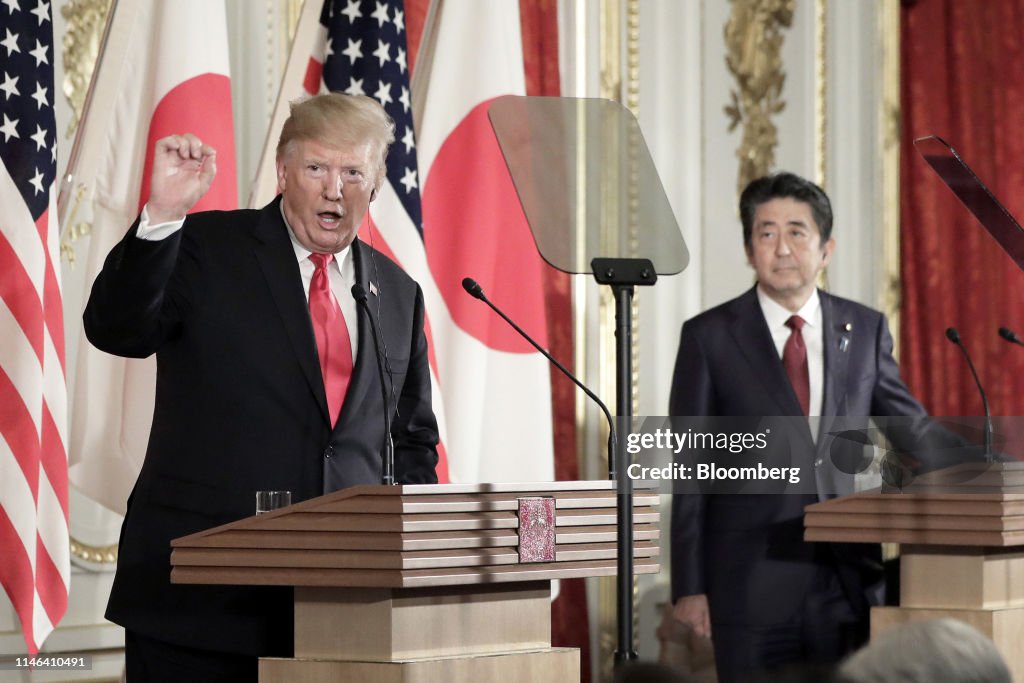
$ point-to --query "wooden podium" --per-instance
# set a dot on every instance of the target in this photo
(424, 583)
(961, 536)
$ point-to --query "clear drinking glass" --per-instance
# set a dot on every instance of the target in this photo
(267, 501)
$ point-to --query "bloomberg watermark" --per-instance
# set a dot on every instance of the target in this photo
(808, 456)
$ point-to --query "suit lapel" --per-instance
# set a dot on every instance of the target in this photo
(836, 340)
(276, 257)
(836, 352)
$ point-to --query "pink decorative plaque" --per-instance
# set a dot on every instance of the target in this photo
(536, 529)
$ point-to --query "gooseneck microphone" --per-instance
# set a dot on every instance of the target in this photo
(954, 336)
(388, 469)
(1008, 334)
(477, 292)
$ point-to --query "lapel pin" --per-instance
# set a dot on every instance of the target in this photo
(844, 338)
(373, 289)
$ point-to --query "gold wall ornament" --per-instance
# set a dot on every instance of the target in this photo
(68, 238)
(94, 554)
(71, 231)
(753, 42)
(85, 22)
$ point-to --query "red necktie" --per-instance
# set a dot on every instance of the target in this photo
(332, 341)
(794, 360)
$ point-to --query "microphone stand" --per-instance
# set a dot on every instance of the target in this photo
(388, 461)
(954, 336)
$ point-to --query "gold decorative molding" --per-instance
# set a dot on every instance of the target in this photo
(619, 69)
(102, 554)
(753, 42)
(821, 107)
(85, 21)
(821, 91)
(889, 127)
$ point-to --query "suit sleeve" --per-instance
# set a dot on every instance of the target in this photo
(890, 396)
(692, 395)
(415, 430)
(139, 298)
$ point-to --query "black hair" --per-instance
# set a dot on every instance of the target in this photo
(779, 186)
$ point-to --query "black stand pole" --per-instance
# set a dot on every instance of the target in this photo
(623, 275)
(624, 512)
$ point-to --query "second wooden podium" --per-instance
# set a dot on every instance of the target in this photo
(961, 536)
(424, 583)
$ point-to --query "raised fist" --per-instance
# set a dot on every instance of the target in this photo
(183, 170)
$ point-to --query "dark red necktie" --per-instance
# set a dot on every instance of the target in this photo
(794, 360)
(332, 341)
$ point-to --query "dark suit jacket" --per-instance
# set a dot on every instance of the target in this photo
(241, 407)
(746, 552)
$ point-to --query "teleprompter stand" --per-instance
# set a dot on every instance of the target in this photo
(595, 204)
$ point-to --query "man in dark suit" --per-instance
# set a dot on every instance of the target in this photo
(741, 572)
(267, 373)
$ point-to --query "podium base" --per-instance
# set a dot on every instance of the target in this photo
(549, 665)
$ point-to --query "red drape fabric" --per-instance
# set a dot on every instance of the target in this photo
(963, 80)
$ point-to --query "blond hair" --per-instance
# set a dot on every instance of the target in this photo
(339, 119)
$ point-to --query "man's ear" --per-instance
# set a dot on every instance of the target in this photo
(826, 251)
(280, 175)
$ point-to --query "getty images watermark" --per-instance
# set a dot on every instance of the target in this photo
(797, 455)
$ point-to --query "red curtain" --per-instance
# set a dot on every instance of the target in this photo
(963, 80)
(539, 25)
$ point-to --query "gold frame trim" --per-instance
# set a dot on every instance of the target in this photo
(889, 149)
(619, 78)
(821, 91)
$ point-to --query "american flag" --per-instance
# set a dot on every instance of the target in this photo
(34, 562)
(361, 50)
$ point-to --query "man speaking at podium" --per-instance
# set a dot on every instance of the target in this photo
(267, 375)
(741, 572)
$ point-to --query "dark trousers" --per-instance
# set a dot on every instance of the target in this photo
(822, 631)
(154, 661)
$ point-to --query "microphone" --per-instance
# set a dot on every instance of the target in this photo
(388, 473)
(954, 336)
(477, 292)
(1008, 334)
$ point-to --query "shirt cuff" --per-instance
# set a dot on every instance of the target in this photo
(155, 233)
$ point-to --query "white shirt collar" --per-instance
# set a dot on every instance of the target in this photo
(776, 315)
